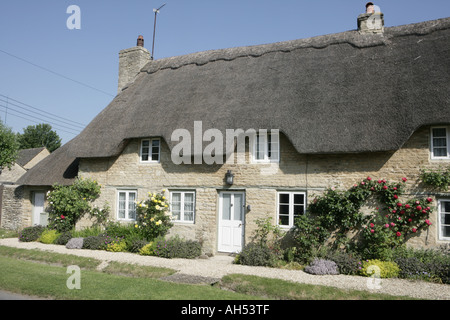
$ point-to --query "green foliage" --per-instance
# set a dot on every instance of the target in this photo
(64, 238)
(95, 242)
(439, 178)
(255, 254)
(30, 234)
(119, 246)
(379, 269)
(8, 147)
(38, 136)
(309, 236)
(68, 204)
(347, 263)
(153, 218)
(147, 250)
(391, 226)
(49, 236)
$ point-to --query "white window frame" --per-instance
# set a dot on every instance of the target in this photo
(447, 131)
(127, 201)
(291, 207)
(182, 217)
(149, 154)
(269, 141)
(440, 224)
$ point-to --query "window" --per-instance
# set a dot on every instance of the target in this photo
(290, 206)
(126, 207)
(182, 206)
(444, 219)
(267, 146)
(150, 150)
(440, 146)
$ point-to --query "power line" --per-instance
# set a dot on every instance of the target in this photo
(41, 112)
(24, 118)
(56, 73)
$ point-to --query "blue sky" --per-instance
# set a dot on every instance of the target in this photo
(72, 74)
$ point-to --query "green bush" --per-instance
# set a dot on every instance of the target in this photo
(174, 247)
(255, 254)
(64, 238)
(378, 268)
(135, 244)
(49, 236)
(347, 262)
(95, 242)
(30, 234)
(309, 237)
(119, 246)
(147, 250)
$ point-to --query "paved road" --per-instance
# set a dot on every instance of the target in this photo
(4, 295)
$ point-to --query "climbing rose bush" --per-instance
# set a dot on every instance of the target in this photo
(153, 217)
(68, 204)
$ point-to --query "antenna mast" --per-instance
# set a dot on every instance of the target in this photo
(156, 11)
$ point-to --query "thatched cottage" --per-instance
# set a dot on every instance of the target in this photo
(337, 108)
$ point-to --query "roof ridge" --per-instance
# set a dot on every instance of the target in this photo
(351, 37)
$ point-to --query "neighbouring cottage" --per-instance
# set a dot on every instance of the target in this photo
(336, 109)
(11, 194)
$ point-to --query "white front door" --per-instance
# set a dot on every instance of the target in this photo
(39, 216)
(231, 221)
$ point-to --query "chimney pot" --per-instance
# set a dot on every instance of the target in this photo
(372, 21)
(140, 41)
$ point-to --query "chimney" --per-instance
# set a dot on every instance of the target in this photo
(372, 21)
(131, 61)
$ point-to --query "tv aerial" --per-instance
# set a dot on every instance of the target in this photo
(156, 11)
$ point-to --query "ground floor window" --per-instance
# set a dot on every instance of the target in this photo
(182, 206)
(290, 206)
(126, 208)
(444, 219)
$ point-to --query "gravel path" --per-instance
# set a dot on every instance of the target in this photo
(214, 268)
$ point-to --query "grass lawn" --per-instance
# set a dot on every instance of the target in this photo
(40, 273)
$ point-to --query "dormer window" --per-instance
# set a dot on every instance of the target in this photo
(440, 142)
(150, 150)
(266, 146)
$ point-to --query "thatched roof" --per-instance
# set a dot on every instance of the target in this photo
(340, 93)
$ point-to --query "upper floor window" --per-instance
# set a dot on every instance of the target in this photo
(150, 150)
(440, 143)
(267, 146)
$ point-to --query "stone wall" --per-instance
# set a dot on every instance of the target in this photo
(12, 210)
(261, 182)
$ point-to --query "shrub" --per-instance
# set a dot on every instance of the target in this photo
(95, 242)
(322, 267)
(309, 237)
(347, 263)
(153, 217)
(255, 254)
(147, 250)
(64, 238)
(30, 234)
(49, 236)
(381, 269)
(75, 243)
(135, 244)
(412, 268)
(119, 246)
(176, 247)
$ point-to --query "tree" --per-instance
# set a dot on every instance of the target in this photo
(37, 136)
(8, 147)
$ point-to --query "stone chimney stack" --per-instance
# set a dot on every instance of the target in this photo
(372, 21)
(131, 61)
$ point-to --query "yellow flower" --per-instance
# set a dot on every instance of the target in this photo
(157, 207)
(135, 225)
(158, 222)
(166, 205)
(152, 219)
(164, 198)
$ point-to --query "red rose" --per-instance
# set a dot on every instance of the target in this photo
(372, 225)
(369, 178)
(372, 231)
(62, 217)
(385, 187)
(424, 211)
(395, 196)
(404, 179)
(398, 234)
(399, 204)
(407, 206)
(414, 230)
(419, 208)
(429, 200)
(409, 220)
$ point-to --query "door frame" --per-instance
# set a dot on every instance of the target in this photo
(34, 213)
(219, 220)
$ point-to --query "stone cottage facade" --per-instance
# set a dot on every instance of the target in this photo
(304, 116)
